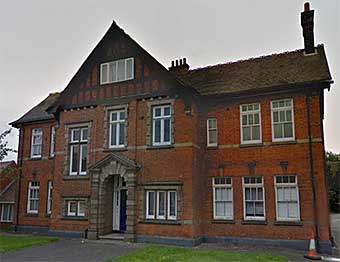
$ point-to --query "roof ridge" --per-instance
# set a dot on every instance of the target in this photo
(251, 59)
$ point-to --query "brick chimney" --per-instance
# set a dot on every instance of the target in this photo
(179, 66)
(307, 23)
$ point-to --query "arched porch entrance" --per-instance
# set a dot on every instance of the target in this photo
(112, 208)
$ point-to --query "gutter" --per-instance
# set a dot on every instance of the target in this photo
(312, 173)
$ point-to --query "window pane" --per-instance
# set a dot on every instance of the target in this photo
(247, 194)
(220, 209)
(282, 210)
(293, 210)
(167, 111)
(256, 119)
(81, 211)
(157, 130)
(75, 135)
(114, 134)
(256, 106)
(212, 136)
(113, 116)
(282, 116)
(151, 203)
(229, 209)
(84, 134)
(121, 134)
(260, 194)
(244, 120)
(161, 203)
(157, 111)
(280, 194)
(246, 133)
(276, 117)
(288, 129)
(212, 123)
(229, 196)
(129, 68)
(250, 119)
(219, 194)
(256, 133)
(166, 130)
(104, 73)
(121, 70)
(83, 158)
(289, 115)
(113, 74)
(293, 194)
(278, 131)
(259, 210)
(172, 208)
(72, 207)
(250, 210)
(75, 158)
(122, 115)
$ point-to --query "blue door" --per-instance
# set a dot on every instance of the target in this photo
(122, 218)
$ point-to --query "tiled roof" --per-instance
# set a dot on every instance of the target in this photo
(38, 112)
(283, 69)
(5, 164)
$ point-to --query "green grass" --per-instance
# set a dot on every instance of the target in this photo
(11, 243)
(180, 254)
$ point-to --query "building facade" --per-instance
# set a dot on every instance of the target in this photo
(227, 153)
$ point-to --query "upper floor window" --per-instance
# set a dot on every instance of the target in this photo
(116, 71)
(33, 197)
(212, 132)
(36, 145)
(78, 151)
(161, 125)
(52, 146)
(253, 197)
(250, 123)
(117, 128)
(282, 120)
(287, 198)
(223, 198)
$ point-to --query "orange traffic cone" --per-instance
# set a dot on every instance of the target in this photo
(311, 254)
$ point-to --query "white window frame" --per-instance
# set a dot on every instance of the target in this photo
(49, 197)
(52, 145)
(255, 185)
(280, 109)
(116, 64)
(79, 143)
(168, 207)
(81, 214)
(118, 122)
(31, 186)
(162, 117)
(209, 144)
(147, 215)
(285, 185)
(36, 132)
(77, 213)
(250, 112)
(2, 211)
(232, 198)
(165, 208)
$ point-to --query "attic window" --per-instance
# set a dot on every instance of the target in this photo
(117, 71)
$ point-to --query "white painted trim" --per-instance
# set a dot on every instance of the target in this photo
(256, 185)
(297, 195)
(208, 130)
(52, 142)
(118, 122)
(78, 208)
(147, 205)
(162, 118)
(71, 161)
(36, 132)
(232, 199)
(272, 119)
(107, 64)
(2, 205)
(49, 196)
(157, 202)
(29, 197)
(69, 213)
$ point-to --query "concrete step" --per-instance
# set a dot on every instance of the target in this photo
(112, 236)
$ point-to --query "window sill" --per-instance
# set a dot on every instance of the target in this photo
(158, 221)
(251, 145)
(35, 158)
(115, 149)
(288, 223)
(31, 214)
(284, 142)
(254, 222)
(75, 218)
(160, 147)
(223, 221)
(48, 215)
(76, 177)
(212, 147)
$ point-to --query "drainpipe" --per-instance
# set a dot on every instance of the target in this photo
(21, 147)
(311, 162)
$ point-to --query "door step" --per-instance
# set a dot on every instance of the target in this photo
(113, 236)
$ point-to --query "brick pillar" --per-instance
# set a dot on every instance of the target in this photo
(130, 234)
(95, 180)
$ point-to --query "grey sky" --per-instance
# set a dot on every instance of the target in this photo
(43, 43)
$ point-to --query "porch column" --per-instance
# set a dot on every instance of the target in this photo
(130, 233)
(92, 233)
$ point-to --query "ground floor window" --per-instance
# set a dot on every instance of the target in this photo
(161, 204)
(33, 197)
(6, 212)
(76, 208)
(287, 198)
(223, 198)
(253, 198)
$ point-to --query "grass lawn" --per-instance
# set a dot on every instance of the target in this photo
(180, 254)
(10, 243)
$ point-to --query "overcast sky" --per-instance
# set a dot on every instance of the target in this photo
(43, 43)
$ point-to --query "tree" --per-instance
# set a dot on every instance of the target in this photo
(4, 149)
(330, 156)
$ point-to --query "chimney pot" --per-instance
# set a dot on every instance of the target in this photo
(307, 23)
(172, 63)
(176, 62)
(184, 61)
(307, 7)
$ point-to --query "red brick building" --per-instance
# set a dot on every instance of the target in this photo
(226, 153)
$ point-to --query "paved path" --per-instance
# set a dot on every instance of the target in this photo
(71, 250)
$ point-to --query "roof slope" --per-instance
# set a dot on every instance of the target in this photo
(5, 164)
(39, 112)
(257, 73)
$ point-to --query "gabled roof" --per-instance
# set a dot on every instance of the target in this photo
(39, 112)
(116, 157)
(289, 68)
(5, 164)
(8, 193)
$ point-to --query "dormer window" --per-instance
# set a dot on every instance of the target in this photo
(117, 71)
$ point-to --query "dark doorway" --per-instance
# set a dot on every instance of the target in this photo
(122, 226)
